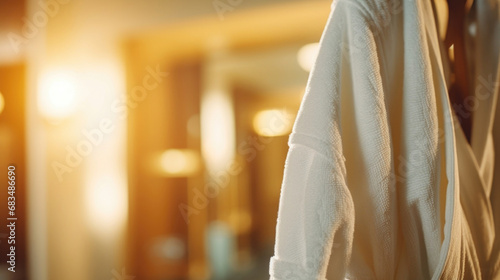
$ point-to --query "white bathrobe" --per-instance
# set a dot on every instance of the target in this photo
(379, 181)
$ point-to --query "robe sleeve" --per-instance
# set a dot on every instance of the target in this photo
(316, 210)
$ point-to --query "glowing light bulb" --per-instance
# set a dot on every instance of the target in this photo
(57, 94)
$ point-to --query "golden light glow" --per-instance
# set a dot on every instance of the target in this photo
(240, 221)
(57, 94)
(451, 52)
(307, 56)
(176, 162)
(2, 103)
(217, 130)
(106, 200)
(271, 123)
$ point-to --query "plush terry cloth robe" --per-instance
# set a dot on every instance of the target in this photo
(379, 181)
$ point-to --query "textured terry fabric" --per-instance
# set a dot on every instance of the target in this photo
(379, 181)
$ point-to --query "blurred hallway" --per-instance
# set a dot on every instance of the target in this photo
(149, 137)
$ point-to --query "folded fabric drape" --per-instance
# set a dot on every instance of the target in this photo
(380, 181)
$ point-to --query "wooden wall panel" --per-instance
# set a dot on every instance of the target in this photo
(157, 124)
(12, 152)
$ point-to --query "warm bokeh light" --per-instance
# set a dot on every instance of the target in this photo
(217, 130)
(106, 203)
(2, 103)
(57, 94)
(274, 122)
(175, 162)
(307, 56)
(451, 53)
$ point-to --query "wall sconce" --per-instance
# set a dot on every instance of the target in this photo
(177, 163)
(57, 94)
(272, 123)
(217, 130)
(307, 56)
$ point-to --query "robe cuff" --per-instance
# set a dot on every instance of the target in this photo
(282, 270)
